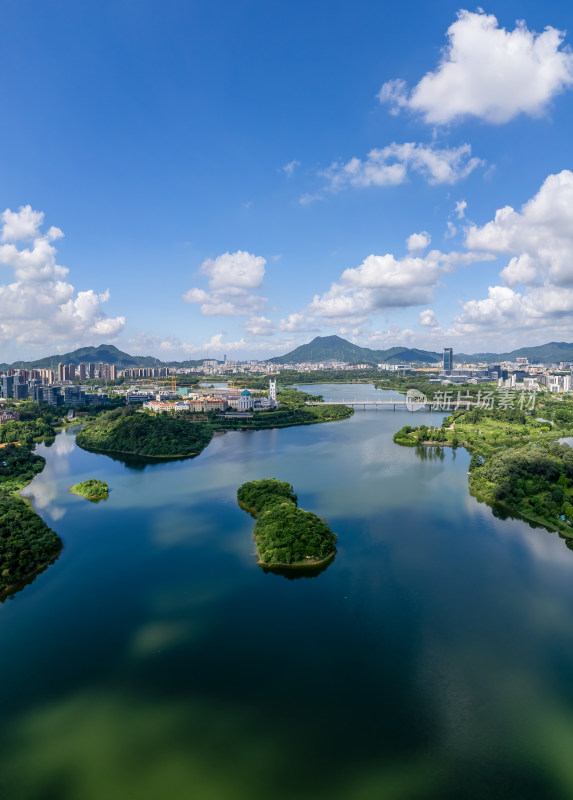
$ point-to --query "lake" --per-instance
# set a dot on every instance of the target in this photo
(430, 660)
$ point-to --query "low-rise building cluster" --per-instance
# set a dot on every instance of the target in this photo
(223, 400)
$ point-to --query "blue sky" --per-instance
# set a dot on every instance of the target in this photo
(189, 179)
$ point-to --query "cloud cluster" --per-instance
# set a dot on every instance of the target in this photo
(232, 276)
(417, 242)
(385, 282)
(39, 306)
(390, 166)
(489, 73)
(539, 239)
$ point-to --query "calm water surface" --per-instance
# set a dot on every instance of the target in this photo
(431, 659)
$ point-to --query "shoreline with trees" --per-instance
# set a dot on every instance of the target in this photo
(517, 462)
(27, 544)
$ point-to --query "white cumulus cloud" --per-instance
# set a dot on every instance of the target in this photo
(428, 318)
(539, 237)
(380, 283)
(231, 277)
(488, 72)
(39, 306)
(418, 241)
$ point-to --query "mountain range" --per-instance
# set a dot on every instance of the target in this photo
(334, 348)
(321, 348)
(106, 353)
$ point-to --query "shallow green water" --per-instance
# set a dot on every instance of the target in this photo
(431, 659)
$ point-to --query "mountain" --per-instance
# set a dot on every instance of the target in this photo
(550, 353)
(334, 348)
(106, 353)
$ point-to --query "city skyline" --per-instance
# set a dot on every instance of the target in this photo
(240, 180)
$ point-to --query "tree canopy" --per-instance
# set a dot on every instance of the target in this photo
(284, 533)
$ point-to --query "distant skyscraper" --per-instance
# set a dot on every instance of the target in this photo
(273, 390)
(82, 372)
(91, 370)
(61, 373)
(448, 359)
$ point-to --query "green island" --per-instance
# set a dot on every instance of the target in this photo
(517, 462)
(27, 544)
(128, 430)
(92, 490)
(285, 535)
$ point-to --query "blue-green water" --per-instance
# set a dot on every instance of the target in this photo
(431, 659)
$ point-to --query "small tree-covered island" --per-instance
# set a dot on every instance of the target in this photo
(92, 490)
(285, 535)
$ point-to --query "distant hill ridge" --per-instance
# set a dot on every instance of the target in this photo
(321, 348)
(106, 353)
(334, 348)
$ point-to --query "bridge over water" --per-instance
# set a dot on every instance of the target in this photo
(398, 402)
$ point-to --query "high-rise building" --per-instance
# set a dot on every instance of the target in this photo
(61, 372)
(273, 391)
(82, 372)
(7, 387)
(448, 359)
(100, 370)
(113, 372)
(71, 372)
(91, 371)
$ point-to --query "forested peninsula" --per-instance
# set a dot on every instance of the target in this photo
(26, 543)
(517, 461)
(285, 535)
(127, 430)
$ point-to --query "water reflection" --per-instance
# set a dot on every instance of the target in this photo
(43, 491)
(432, 659)
(296, 573)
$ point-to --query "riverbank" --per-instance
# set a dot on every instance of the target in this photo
(27, 544)
(517, 462)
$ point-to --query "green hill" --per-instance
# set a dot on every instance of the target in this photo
(106, 353)
(550, 353)
(334, 348)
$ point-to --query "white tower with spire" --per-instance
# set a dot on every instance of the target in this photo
(273, 391)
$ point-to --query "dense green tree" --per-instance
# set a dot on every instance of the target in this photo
(130, 430)
(284, 533)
